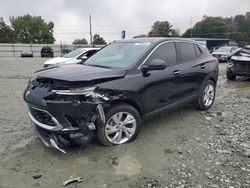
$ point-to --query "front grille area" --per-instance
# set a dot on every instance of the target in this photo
(44, 83)
(42, 117)
(242, 67)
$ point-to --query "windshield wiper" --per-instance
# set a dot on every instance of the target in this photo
(102, 66)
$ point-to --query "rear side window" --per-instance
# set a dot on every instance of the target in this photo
(198, 50)
(187, 52)
(165, 52)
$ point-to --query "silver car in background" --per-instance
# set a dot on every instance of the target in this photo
(26, 52)
(77, 56)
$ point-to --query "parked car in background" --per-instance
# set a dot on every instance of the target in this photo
(67, 50)
(223, 53)
(114, 89)
(26, 52)
(240, 64)
(47, 51)
(77, 56)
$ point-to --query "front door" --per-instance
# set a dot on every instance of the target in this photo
(159, 84)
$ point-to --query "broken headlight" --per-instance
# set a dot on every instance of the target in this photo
(78, 91)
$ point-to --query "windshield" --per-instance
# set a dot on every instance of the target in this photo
(74, 53)
(118, 55)
(224, 49)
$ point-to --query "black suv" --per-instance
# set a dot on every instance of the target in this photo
(47, 52)
(125, 81)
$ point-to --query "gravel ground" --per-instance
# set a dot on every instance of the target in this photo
(184, 148)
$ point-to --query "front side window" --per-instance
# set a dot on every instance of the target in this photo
(165, 52)
(187, 52)
(119, 55)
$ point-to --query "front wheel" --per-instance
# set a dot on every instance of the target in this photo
(207, 95)
(122, 125)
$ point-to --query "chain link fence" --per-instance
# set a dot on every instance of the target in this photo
(14, 50)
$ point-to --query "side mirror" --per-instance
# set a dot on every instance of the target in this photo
(84, 58)
(155, 64)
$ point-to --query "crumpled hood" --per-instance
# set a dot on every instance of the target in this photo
(241, 58)
(80, 73)
(220, 53)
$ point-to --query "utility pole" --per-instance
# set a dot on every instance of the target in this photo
(90, 30)
(191, 34)
(1, 20)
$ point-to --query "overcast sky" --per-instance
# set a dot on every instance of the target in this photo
(109, 17)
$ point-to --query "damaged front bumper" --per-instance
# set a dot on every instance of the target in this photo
(59, 140)
(239, 68)
(61, 120)
(53, 134)
(48, 140)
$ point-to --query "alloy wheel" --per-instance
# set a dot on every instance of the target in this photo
(120, 128)
(208, 96)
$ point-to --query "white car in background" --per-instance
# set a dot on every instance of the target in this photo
(74, 57)
(224, 53)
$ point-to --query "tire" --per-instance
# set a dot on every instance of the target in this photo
(119, 111)
(206, 100)
(230, 75)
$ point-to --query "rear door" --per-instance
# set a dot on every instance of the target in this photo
(191, 69)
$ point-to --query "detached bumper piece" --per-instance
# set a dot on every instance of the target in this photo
(53, 134)
(61, 140)
(48, 140)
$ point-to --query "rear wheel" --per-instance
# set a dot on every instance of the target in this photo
(207, 95)
(122, 125)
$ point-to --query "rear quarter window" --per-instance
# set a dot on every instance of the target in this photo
(187, 52)
(197, 50)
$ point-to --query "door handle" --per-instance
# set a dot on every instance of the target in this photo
(202, 66)
(176, 72)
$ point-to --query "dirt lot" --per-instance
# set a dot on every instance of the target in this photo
(185, 148)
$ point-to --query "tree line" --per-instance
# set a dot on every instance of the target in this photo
(97, 40)
(33, 29)
(27, 29)
(236, 28)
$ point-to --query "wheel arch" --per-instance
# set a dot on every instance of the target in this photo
(129, 102)
(211, 77)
